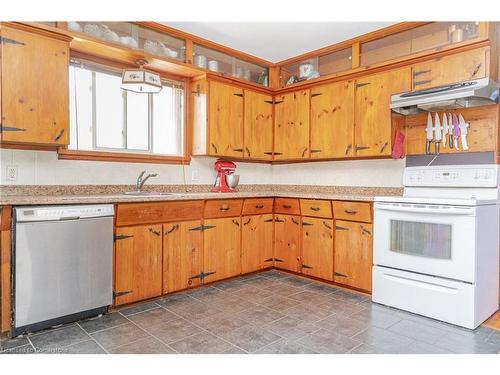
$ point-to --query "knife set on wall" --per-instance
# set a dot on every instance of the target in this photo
(446, 132)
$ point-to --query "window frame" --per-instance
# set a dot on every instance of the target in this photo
(64, 153)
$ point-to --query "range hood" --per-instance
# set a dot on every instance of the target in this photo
(466, 94)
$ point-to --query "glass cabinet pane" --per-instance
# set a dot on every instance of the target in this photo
(334, 62)
(133, 36)
(220, 62)
(422, 38)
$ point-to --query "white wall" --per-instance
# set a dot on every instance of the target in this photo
(43, 168)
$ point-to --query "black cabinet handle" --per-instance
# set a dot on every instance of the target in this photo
(351, 212)
(315, 208)
(259, 206)
(155, 232)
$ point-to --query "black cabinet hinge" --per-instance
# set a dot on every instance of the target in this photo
(268, 221)
(118, 237)
(316, 94)
(238, 94)
(305, 223)
(340, 228)
(358, 85)
(268, 101)
(306, 266)
(278, 260)
(278, 101)
(339, 274)
(268, 260)
(10, 41)
(6, 128)
(201, 275)
(119, 294)
(202, 227)
(313, 151)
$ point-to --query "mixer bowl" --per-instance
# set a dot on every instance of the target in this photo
(232, 180)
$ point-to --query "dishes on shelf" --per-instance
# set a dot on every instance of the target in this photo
(74, 26)
(200, 61)
(129, 41)
(108, 34)
(93, 30)
(213, 65)
(158, 48)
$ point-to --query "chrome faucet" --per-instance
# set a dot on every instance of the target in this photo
(142, 179)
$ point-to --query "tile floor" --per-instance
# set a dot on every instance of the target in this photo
(270, 312)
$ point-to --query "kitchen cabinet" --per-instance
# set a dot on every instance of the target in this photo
(221, 248)
(258, 126)
(34, 87)
(256, 242)
(317, 247)
(373, 122)
(353, 254)
(287, 242)
(182, 255)
(225, 115)
(332, 120)
(450, 69)
(138, 263)
(291, 128)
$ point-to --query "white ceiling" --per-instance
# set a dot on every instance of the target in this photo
(276, 41)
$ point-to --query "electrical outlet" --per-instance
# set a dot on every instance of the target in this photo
(194, 175)
(12, 173)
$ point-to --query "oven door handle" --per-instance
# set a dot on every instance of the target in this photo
(468, 211)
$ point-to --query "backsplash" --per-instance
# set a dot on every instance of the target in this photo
(43, 168)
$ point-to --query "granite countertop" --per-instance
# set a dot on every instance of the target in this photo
(87, 194)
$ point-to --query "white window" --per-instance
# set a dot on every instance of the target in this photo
(103, 117)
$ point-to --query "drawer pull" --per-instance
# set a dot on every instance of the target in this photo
(351, 212)
(287, 206)
(224, 208)
(155, 232)
(259, 206)
(59, 135)
(316, 209)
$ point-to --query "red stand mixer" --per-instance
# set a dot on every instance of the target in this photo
(223, 169)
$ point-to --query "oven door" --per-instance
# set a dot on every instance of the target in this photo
(428, 239)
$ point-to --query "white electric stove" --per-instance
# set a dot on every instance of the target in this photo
(436, 248)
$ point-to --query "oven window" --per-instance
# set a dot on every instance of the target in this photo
(421, 239)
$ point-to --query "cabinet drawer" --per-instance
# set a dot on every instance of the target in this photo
(223, 208)
(286, 206)
(157, 212)
(258, 206)
(353, 211)
(316, 208)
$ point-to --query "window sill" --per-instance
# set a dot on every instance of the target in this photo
(65, 154)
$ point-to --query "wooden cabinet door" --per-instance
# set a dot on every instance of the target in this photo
(138, 263)
(225, 113)
(450, 69)
(222, 248)
(332, 120)
(182, 255)
(317, 247)
(256, 242)
(291, 128)
(258, 126)
(287, 242)
(373, 128)
(34, 85)
(353, 254)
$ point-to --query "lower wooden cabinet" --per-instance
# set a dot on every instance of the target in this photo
(317, 247)
(256, 242)
(221, 248)
(138, 263)
(353, 254)
(287, 242)
(182, 255)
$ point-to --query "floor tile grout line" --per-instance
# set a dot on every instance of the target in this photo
(91, 338)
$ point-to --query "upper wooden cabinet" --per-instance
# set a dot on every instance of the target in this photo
(225, 119)
(34, 85)
(450, 69)
(291, 128)
(258, 126)
(332, 120)
(138, 263)
(373, 123)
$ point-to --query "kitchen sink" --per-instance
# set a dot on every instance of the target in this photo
(147, 193)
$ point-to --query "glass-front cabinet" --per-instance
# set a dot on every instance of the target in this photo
(219, 62)
(134, 36)
(333, 62)
(422, 38)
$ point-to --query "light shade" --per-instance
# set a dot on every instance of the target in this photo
(141, 81)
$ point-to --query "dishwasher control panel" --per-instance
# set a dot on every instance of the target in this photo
(51, 213)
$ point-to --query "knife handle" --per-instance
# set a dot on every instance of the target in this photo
(436, 148)
(428, 147)
(463, 138)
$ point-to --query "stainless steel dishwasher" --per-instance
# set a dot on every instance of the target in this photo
(62, 265)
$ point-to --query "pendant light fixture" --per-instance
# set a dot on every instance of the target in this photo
(140, 80)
